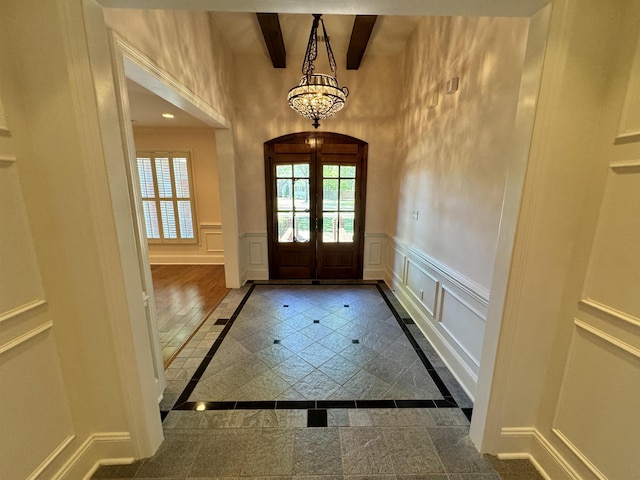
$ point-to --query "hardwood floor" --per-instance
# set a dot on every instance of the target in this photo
(185, 296)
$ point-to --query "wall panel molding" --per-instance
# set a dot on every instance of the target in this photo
(579, 455)
(616, 342)
(25, 337)
(254, 255)
(51, 458)
(211, 233)
(470, 287)
(4, 129)
(444, 304)
(374, 256)
(528, 442)
(108, 448)
(625, 166)
(418, 293)
(210, 250)
(398, 267)
(199, 259)
(602, 368)
(629, 127)
(7, 159)
(461, 324)
(27, 307)
(610, 312)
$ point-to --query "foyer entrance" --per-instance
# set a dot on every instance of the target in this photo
(316, 187)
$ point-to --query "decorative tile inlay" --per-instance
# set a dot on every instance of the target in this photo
(277, 395)
(317, 418)
(357, 350)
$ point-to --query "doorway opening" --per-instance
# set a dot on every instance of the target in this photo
(316, 189)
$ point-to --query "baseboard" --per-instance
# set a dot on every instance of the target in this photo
(255, 275)
(113, 448)
(216, 259)
(373, 274)
(528, 442)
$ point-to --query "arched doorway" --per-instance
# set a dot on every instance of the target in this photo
(316, 187)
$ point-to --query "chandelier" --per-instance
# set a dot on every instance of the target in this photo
(317, 96)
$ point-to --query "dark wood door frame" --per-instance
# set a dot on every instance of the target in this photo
(315, 148)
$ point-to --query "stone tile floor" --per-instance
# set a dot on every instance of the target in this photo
(311, 363)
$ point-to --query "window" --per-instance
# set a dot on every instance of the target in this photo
(167, 196)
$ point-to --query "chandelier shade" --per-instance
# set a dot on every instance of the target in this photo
(318, 95)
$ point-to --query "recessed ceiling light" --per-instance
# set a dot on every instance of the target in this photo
(168, 115)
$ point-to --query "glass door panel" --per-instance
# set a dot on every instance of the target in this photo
(293, 203)
(338, 203)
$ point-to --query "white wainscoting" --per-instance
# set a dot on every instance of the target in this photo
(449, 308)
(374, 250)
(209, 250)
(254, 257)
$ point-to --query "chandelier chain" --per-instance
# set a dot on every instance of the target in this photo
(332, 60)
(311, 54)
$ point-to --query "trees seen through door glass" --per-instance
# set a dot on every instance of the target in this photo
(292, 202)
(338, 203)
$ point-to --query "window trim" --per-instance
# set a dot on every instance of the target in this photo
(171, 154)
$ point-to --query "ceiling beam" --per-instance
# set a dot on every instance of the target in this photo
(362, 27)
(270, 26)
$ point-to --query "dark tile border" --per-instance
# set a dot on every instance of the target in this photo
(447, 401)
(317, 418)
(315, 404)
(186, 393)
(468, 412)
(444, 391)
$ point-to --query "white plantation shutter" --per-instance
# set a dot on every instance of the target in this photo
(166, 186)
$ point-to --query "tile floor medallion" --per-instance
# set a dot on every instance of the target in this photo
(316, 381)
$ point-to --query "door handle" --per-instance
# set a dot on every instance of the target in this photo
(318, 224)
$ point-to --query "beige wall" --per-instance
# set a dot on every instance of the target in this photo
(185, 44)
(63, 404)
(202, 144)
(452, 159)
(262, 113)
(568, 368)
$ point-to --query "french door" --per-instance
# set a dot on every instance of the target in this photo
(315, 185)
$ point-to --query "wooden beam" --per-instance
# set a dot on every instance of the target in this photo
(362, 27)
(270, 25)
